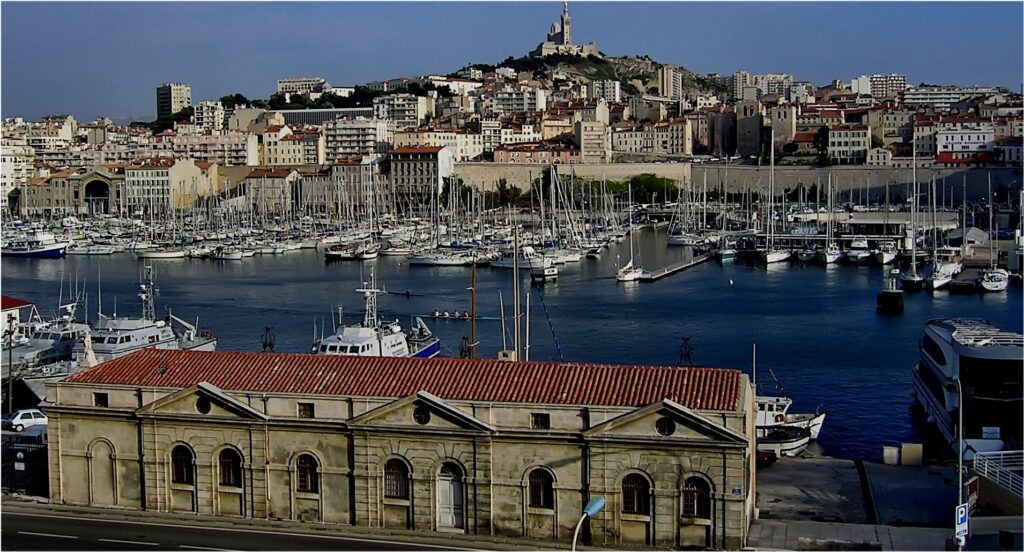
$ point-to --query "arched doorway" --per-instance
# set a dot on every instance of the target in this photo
(451, 491)
(97, 198)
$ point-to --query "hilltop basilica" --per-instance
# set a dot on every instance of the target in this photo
(559, 39)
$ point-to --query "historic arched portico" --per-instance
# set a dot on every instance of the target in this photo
(97, 197)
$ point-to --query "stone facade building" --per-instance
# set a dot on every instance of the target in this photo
(443, 445)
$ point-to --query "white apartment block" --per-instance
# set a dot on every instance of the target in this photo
(172, 97)
(460, 87)
(358, 136)
(464, 145)
(637, 139)
(964, 140)
(609, 90)
(17, 161)
(356, 179)
(879, 86)
(670, 82)
(924, 140)
(662, 138)
(769, 83)
(849, 144)
(300, 85)
(406, 110)
(879, 157)
(157, 186)
(513, 100)
(209, 115)
(471, 73)
(942, 97)
(271, 191)
(704, 102)
(506, 73)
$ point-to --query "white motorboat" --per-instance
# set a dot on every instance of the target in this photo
(831, 254)
(376, 338)
(947, 265)
(223, 253)
(993, 280)
(886, 253)
(783, 440)
(529, 258)
(727, 254)
(441, 259)
(859, 252)
(90, 250)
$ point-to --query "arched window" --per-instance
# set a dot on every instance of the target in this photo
(396, 479)
(542, 489)
(636, 495)
(181, 465)
(230, 468)
(306, 470)
(696, 498)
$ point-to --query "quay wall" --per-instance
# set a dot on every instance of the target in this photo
(484, 176)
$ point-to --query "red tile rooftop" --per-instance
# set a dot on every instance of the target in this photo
(416, 149)
(452, 379)
(7, 302)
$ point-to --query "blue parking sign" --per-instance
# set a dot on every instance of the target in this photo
(961, 520)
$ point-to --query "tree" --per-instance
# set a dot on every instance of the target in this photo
(507, 195)
(877, 142)
(233, 100)
(821, 140)
(166, 122)
(790, 148)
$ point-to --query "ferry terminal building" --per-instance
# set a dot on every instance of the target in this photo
(436, 445)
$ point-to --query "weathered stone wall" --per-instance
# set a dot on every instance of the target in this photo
(743, 177)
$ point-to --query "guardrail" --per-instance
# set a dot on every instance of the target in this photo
(1005, 468)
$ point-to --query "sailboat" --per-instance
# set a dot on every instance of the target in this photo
(911, 280)
(831, 254)
(886, 252)
(772, 254)
(629, 273)
(947, 261)
(992, 279)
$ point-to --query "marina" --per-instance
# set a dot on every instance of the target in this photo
(721, 309)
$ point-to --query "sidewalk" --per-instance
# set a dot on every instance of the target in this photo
(814, 535)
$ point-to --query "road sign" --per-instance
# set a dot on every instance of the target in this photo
(961, 520)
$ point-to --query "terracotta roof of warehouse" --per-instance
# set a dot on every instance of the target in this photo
(8, 302)
(452, 379)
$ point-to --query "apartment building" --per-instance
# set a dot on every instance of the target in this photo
(670, 82)
(358, 136)
(512, 100)
(594, 141)
(964, 141)
(300, 85)
(879, 86)
(17, 161)
(406, 110)
(609, 90)
(209, 115)
(849, 144)
(942, 97)
(225, 149)
(464, 145)
(271, 192)
(770, 83)
(418, 173)
(160, 185)
(892, 126)
(545, 152)
(172, 97)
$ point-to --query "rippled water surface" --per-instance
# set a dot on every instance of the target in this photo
(815, 328)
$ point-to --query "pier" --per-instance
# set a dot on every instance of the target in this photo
(655, 275)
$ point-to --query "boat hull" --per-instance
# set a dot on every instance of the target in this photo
(430, 350)
(47, 252)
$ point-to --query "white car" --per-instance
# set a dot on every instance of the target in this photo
(24, 418)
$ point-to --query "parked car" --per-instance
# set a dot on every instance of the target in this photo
(21, 419)
(765, 458)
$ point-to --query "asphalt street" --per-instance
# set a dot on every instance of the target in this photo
(29, 531)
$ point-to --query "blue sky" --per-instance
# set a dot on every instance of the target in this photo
(94, 59)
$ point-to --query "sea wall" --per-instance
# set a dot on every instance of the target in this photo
(744, 177)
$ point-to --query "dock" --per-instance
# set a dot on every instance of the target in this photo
(655, 275)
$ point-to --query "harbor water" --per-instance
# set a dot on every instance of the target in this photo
(815, 328)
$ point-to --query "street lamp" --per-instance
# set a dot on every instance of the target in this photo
(959, 451)
(9, 336)
(592, 508)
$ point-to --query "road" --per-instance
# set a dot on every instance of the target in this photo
(29, 531)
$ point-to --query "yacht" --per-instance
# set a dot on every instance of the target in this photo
(41, 245)
(993, 280)
(947, 265)
(48, 342)
(529, 258)
(986, 363)
(807, 254)
(859, 252)
(115, 336)
(439, 258)
(377, 338)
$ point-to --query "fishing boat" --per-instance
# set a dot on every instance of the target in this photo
(783, 440)
(774, 411)
(40, 245)
(115, 336)
(374, 337)
(48, 341)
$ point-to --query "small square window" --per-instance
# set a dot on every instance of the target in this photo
(306, 410)
(100, 400)
(540, 421)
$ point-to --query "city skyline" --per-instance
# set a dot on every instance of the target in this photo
(115, 74)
